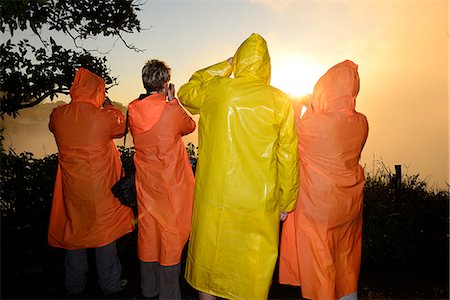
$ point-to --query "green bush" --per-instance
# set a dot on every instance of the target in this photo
(27, 182)
(26, 185)
(412, 228)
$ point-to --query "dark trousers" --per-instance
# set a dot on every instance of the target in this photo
(108, 265)
(162, 280)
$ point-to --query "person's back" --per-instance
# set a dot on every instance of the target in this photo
(164, 181)
(321, 240)
(86, 125)
(244, 119)
(246, 174)
(89, 163)
(168, 129)
(85, 214)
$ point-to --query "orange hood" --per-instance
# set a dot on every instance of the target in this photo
(143, 114)
(337, 89)
(88, 87)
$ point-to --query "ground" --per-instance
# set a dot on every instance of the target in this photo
(33, 270)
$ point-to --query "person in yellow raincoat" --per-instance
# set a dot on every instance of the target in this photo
(247, 173)
(164, 181)
(84, 213)
(321, 238)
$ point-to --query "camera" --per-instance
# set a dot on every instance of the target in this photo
(170, 92)
(171, 88)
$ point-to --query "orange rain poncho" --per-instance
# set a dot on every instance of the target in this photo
(85, 214)
(321, 239)
(164, 178)
(246, 173)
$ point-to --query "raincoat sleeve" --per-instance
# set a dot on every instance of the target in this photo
(288, 169)
(52, 120)
(187, 125)
(193, 93)
(50, 123)
(116, 119)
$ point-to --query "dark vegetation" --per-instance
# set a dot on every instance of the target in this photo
(405, 240)
(34, 71)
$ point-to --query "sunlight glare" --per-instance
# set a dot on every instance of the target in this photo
(295, 76)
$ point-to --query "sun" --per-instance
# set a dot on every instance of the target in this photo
(295, 75)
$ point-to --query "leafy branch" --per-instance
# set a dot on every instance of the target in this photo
(31, 74)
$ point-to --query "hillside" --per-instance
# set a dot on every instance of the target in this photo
(29, 131)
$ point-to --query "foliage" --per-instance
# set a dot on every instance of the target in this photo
(31, 74)
(86, 18)
(411, 228)
(26, 186)
(27, 182)
(414, 231)
(128, 153)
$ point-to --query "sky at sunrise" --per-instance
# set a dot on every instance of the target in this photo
(401, 47)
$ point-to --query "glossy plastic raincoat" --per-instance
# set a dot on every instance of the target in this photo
(164, 178)
(84, 213)
(321, 239)
(246, 173)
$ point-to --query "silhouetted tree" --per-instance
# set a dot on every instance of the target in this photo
(30, 74)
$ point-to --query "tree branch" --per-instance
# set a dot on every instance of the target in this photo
(131, 47)
(74, 39)
(42, 98)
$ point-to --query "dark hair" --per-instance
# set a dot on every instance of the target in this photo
(155, 74)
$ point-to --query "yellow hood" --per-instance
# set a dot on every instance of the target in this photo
(252, 59)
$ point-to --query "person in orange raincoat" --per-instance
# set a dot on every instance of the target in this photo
(321, 238)
(164, 181)
(84, 213)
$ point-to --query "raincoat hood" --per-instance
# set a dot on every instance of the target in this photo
(337, 89)
(145, 113)
(88, 87)
(252, 59)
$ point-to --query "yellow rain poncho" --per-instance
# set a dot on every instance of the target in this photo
(321, 240)
(247, 172)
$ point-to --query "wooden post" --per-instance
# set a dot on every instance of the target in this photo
(398, 187)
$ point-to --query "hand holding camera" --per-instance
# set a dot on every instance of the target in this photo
(171, 91)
